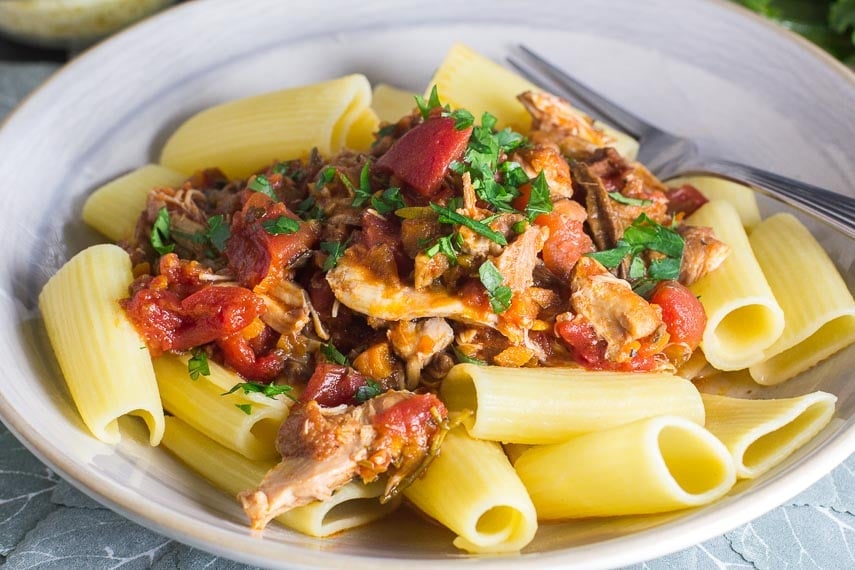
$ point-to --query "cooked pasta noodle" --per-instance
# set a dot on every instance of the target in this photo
(649, 466)
(738, 195)
(391, 103)
(759, 434)
(818, 308)
(97, 347)
(551, 405)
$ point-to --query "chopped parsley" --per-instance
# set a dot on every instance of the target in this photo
(334, 251)
(269, 390)
(620, 198)
(499, 294)
(389, 201)
(368, 390)
(466, 359)
(218, 232)
(539, 201)
(463, 119)
(646, 235)
(332, 354)
(327, 175)
(448, 246)
(261, 183)
(308, 209)
(425, 107)
(281, 225)
(245, 408)
(160, 233)
(449, 216)
(198, 365)
(362, 194)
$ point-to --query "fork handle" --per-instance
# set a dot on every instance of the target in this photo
(836, 209)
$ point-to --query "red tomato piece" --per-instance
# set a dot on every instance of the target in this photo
(585, 345)
(412, 418)
(240, 356)
(682, 313)
(567, 240)
(421, 157)
(685, 199)
(215, 312)
(332, 385)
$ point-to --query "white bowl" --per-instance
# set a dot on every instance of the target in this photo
(700, 68)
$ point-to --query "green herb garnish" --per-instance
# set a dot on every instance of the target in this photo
(367, 391)
(539, 201)
(389, 201)
(463, 358)
(448, 246)
(334, 251)
(269, 390)
(308, 209)
(499, 294)
(198, 365)
(332, 354)
(425, 107)
(326, 176)
(261, 183)
(463, 119)
(245, 408)
(618, 197)
(449, 216)
(160, 233)
(281, 225)
(218, 232)
(362, 194)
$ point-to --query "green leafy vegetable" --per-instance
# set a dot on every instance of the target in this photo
(308, 209)
(389, 201)
(463, 358)
(218, 232)
(334, 251)
(463, 119)
(448, 246)
(281, 225)
(369, 390)
(332, 354)
(425, 107)
(449, 216)
(261, 183)
(326, 176)
(499, 294)
(269, 390)
(160, 233)
(539, 201)
(362, 194)
(245, 408)
(618, 197)
(198, 365)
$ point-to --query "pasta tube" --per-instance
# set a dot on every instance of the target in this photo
(114, 208)
(759, 434)
(650, 466)
(353, 505)
(551, 405)
(818, 307)
(391, 103)
(243, 136)
(741, 197)
(469, 80)
(472, 489)
(743, 317)
(246, 423)
(103, 359)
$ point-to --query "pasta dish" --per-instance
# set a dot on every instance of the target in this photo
(473, 302)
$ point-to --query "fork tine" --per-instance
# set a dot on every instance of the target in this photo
(610, 112)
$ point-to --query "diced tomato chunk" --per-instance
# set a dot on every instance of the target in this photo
(682, 312)
(589, 350)
(421, 157)
(567, 240)
(685, 199)
(240, 356)
(413, 418)
(332, 385)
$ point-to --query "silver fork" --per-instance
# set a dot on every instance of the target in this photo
(667, 155)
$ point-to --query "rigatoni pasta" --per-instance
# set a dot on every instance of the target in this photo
(551, 405)
(353, 505)
(743, 316)
(243, 136)
(759, 434)
(472, 489)
(103, 358)
(818, 308)
(650, 466)
(246, 423)
(391, 103)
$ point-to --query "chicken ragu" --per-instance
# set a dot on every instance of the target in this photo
(358, 280)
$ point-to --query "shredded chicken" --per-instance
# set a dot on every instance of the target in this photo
(619, 316)
(517, 262)
(545, 157)
(554, 119)
(287, 307)
(417, 342)
(702, 253)
(324, 448)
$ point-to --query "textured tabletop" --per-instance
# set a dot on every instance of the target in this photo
(46, 523)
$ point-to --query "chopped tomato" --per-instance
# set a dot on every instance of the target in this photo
(682, 313)
(685, 199)
(332, 385)
(239, 354)
(413, 418)
(253, 253)
(421, 157)
(567, 240)
(589, 350)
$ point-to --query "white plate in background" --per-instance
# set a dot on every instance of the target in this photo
(700, 68)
